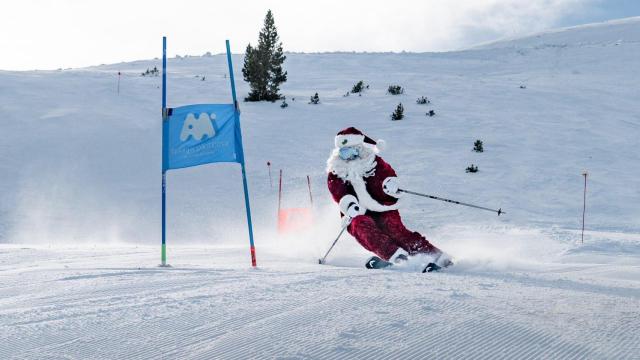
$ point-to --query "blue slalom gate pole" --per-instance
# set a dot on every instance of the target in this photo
(244, 175)
(163, 256)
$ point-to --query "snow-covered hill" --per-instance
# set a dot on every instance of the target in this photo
(613, 32)
(80, 209)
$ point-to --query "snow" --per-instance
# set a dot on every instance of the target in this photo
(80, 209)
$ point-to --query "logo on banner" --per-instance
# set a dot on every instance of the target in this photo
(201, 134)
(198, 128)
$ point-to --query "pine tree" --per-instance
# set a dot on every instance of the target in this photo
(263, 64)
(477, 146)
(398, 114)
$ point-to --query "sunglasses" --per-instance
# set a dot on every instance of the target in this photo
(348, 153)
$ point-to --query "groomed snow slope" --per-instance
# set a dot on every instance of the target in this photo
(79, 211)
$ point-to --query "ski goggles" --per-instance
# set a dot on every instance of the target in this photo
(348, 153)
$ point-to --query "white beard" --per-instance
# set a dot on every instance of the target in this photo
(355, 171)
(359, 168)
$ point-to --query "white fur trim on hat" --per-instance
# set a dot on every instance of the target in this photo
(348, 140)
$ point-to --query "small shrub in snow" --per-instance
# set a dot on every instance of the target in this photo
(315, 99)
(152, 72)
(477, 146)
(422, 101)
(395, 90)
(431, 113)
(358, 87)
(472, 169)
(284, 103)
(398, 114)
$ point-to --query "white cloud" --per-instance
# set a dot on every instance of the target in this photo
(65, 33)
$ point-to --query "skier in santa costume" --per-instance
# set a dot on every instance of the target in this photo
(366, 189)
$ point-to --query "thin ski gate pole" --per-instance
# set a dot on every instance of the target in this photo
(163, 252)
(252, 247)
(499, 211)
(584, 204)
(280, 192)
(321, 261)
(309, 185)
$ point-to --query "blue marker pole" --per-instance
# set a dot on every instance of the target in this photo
(241, 155)
(163, 256)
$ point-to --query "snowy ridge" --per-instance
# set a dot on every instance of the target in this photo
(612, 32)
(80, 210)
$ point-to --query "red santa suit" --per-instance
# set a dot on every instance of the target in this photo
(367, 192)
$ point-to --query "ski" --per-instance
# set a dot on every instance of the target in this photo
(431, 267)
(376, 262)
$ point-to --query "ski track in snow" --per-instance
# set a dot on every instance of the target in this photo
(206, 310)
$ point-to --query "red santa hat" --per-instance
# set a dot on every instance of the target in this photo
(352, 137)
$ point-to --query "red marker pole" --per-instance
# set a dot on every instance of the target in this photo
(119, 82)
(584, 202)
(279, 204)
(309, 185)
(270, 181)
(280, 192)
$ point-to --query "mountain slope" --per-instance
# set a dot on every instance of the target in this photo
(81, 153)
(80, 209)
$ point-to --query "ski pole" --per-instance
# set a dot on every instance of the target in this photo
(321, 261)
(499, 211)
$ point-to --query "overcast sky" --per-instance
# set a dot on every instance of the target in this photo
(50, 34)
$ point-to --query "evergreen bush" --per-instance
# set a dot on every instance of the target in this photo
(398, 114)
(477, 146)
(395, 90)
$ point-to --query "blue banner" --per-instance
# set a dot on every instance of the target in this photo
(201, 134)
